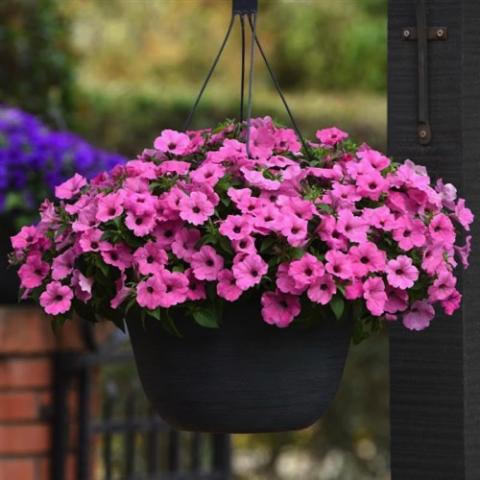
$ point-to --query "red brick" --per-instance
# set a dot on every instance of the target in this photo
(26, 330)
(24, 439)
(21, 373)
(18, 406)
(17, 469)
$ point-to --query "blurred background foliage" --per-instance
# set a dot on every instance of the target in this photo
(119, 71)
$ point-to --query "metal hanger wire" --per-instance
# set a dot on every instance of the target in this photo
(251, 18)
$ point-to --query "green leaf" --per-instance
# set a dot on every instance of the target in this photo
(225, 245)
(156, 314)
(206, 318)
(338, 306)
(267, 244)
(102, 266)
(297, 253)
(169, 326)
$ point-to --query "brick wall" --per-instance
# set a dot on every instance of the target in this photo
(26, 347)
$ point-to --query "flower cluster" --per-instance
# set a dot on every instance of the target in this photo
(33, 159)
(197, 221)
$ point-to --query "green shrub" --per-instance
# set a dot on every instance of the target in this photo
(36, 62)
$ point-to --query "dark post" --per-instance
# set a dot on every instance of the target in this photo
(435, 374)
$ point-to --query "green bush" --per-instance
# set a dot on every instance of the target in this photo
(36, 62)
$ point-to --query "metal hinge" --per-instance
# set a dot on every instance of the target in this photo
(422, 33)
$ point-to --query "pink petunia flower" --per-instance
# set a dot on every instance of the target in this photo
(141, 222)
(463, 214)
(248, 270)
(420, 315)
(442, 287)
(150, 259)
(302, 209)
(227, 287)
(208, 174)
(409, 234)
(442, 231)
(33, 271)
(176, 287)
(150, 293)
(322, 290)
(452, 303)
(371, 185)
(373, 158)
(27, 237)
(327, 231)
(173, 167)
(109, 207)
(82, 286)
(375, 296)
(184, 244)
(354, 290)
(257, 179)
(196, 288)
(63, 264)
(206, 264)
(165, 233)
(295, 230)
(397, 300)
(91, 241)
(280, 309)
(267, 219)
(67, 190)
(56, 299)
(432, 259)
(285, 283)
(196, 208)
(171, 141)
(380, 217)
(117, 255)
(401, 273)
(122, 292)
(236, 227)
(353, 227)
(306, 271)
(464, 252)
(344, 196)
(338, 265)
(367, 258)
(245, 245)
(329, 137)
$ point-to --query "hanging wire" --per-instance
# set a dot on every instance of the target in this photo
(279, 90)
(209, 75)
(242, 87)
(253, 23)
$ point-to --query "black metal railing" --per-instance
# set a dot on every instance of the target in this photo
(119, 437)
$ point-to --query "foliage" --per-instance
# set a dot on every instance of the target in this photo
(314, 44)
(36, 60)
(126, 121)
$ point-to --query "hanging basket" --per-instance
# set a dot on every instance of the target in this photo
(245, 377)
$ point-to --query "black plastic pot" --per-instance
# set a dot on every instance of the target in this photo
(246, 377)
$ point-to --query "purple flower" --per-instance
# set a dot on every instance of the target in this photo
(34, 159)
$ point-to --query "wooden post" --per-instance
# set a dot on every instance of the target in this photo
(435, 374)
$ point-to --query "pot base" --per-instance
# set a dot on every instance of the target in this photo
(245, 377)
